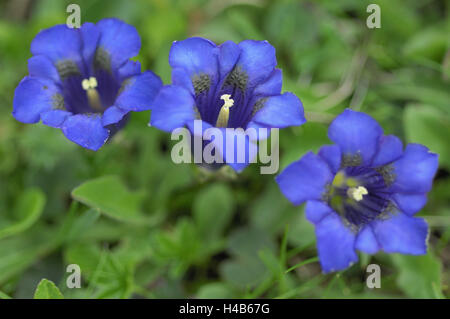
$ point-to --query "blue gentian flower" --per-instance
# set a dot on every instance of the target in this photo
(225, 86)
(362, 192)
(83, 81)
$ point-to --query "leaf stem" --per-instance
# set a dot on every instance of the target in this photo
(303, 263)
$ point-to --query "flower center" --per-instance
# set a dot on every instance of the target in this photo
(357, 192)
(224, 114)
(89, 85)
(359, 195)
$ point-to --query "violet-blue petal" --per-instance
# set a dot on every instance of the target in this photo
(366, 241)
(90, 35)
(317, 210)
(113, 115)
(335, 243)
(259, 131)
(86, 130)
(196, 55)
(272, 86)
(181, 78)
(332, 155)
(236, 148)
(229, 53)
(42, 67)
(55, 118)
(173, 108)
(130, 68)
(390, 148)
(403, 234)
(281, 111)
(414, 170)
(257, 59)
(305, 179)
(58, 43)
(119, 39)
(356, 133)
(32, 97)
(410, 203)
(198, 127)
(138, 92)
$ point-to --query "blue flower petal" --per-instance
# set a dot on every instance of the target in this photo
(139, 92)
(58, 43)
(236, 148)
(86, 130)
(257, 59)
(198, 127)
(173, 108)
(272, 86)
(90, 35)
(335, 244)
(305, 179)
(410, 203)
(281, 111)
(32, 97)
(366, 241)
(119, 39)
(181, 78)
(195, 55)
(415, 170)
(55, 118)
(317, 210)
(129, 69)
(390, 148)
(42, 67)
(258, 131)
(113, 115)
(356, 133)
(332, 155)
(229, 53)
(402, 234)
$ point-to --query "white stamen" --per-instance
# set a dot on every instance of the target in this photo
(90, 83)
(357, 192)
(228, 102)
(224, 114)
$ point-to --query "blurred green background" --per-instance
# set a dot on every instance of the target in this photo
(143, 227)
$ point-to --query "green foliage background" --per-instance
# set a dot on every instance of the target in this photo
(140, 226)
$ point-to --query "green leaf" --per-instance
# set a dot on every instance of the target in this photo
(182, 246)
(110, 196)
(44, 155)
(20, 252)
(213, 210)
(244, 271)
(108, 275)
(216, 290)
(247, 268)
(4, 296)
(269, 212)
(300, 225)
(28, 210)
(46, 289)
(419, 276)
(248, 242)
(427, 125)
(430, 43)
(77, 227)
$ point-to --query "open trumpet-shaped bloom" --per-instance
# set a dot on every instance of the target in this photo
(83, 81)
(362, 192)
(225, 86)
